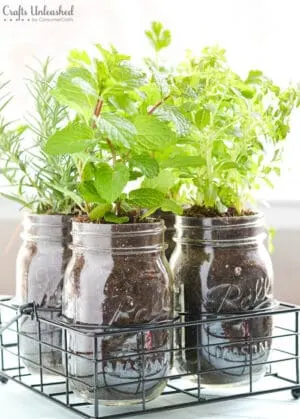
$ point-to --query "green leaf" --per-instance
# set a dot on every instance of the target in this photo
(73, 138)
(121, 102)
(98, 212)
(171, 114)
(228, 165)
(112, 218)
(146, 198)
(170, 205)
(15, 198)
(77, 89)
(146, 164)
(89, 193)
(110, 182)
(112, 58)
(158, 36)
(88, 172)
(163, 182)
(75, 198)
(153, 135)
(152, 93)
(119, 130)
(128, 75)
(255, 77)
(134, 175)
(183, 161)
(202, 118)
(79, 57)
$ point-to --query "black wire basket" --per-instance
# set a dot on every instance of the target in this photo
(278, 369)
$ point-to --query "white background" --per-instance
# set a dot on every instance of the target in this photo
(260, 34)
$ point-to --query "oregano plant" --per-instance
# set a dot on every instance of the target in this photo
(236, 136)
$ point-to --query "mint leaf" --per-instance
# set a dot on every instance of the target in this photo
(98, 212)
(152, 134)
(146, 164)
(77, 57)
(119, 130)
(163, 182)
(77, 89)
(171, 114)
(112, 58)
(170, 205)
(88, 172)
(146, 198)
(110, 182)
(128, 75)
(112, 218)
(73, 138)
(89, 193)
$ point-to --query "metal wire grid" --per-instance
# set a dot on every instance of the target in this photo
(187, 388)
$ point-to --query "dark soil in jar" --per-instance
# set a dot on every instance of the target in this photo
(136, 293)
(232, 281)
(201, 212)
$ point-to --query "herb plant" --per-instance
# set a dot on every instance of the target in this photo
(33, 177)
(238, 128)
(115, 136)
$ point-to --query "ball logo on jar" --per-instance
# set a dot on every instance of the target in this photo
(238, 297)
(232, 344)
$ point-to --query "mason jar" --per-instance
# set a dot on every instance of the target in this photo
(118, 278)
(40, 267)
(221, 267)
(169, 220)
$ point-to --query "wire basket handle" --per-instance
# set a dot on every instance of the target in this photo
(26, 309)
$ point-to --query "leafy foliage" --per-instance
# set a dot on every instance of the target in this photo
(238, 131)
(115, 134)
(32, 175)
(147, 139)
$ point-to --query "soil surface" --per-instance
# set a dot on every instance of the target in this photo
(202, 212)
(133, 218)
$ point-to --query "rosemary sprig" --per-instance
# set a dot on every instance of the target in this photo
(34, 176)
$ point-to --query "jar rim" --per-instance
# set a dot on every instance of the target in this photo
(221, 222)
(95, 228)
(46, 219)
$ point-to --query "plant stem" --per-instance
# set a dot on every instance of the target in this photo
(154, 107)
(118, 208)
(97, 111)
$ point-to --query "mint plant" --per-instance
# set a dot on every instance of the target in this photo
(114, 137)
(33, 178)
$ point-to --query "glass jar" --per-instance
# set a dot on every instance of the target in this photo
(118, 276)
(221, 266)
(40, 267)
(169, 219)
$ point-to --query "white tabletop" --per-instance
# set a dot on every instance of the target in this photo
(18, 402)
